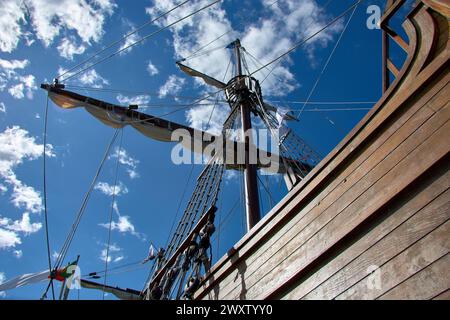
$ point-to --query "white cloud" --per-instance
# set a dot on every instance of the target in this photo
(139, 100)
(9, 239)
(151, 68)
(55, 256)
(3, 188)
(24, 84)
(123, 224)
(12, 16)
(85, 18)
(16, 146)
(114, 254)
(92, 78)
(198, 118)
(2, 107)
(109, 190)
(128, 161)
(13, 64)
(89, 78)
(129, 40)
(27, 197)
(18, 254)
(24, 225)
(10, 231)
(24, 88)
(68, 48)
(173, 85)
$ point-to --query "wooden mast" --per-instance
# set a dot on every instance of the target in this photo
(250, 174)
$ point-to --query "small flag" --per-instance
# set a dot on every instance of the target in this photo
(151, 254)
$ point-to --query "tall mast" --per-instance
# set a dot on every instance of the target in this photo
(250, 175)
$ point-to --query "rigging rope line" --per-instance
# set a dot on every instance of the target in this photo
(71, 235)
(113, 199)
(328, 60)
(219, 37)
(266, 188)
(305, 40)
(272, 69)
(108, 90)
(166, 114)
(324, 102)
(123, 38)
(47, 238)
(141, 40)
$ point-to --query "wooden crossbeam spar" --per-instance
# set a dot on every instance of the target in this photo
(392, 68)
(398, 39)
(184, 245)
(390, 11)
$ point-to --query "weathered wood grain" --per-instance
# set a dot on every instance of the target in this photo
(425, 284)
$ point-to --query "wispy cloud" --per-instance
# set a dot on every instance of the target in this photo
(128, 161)
(139, 100)
(123, 224)
(88, 78)
(19, 85)
(11, 231)
(109, 189)
(114, 255)
(151, 69)
(69, 47)
(173, 85)
(129, 40)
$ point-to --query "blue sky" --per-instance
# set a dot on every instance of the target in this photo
(40, 38)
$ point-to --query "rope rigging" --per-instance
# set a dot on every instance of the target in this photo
(328, 60)
(63, 252)
(305, 40)
(47, 238)
(122, 39)
(140, 40)
(177, 97)
(113, 199)
(272, 69)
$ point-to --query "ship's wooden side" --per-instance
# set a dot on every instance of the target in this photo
(371, 221)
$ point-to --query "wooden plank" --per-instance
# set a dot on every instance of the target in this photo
(411, 261)
(409, 169)
(334, 207)
(440, 100)
(425, 284)
(432, 188)
(355, 171)
(443, 296)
